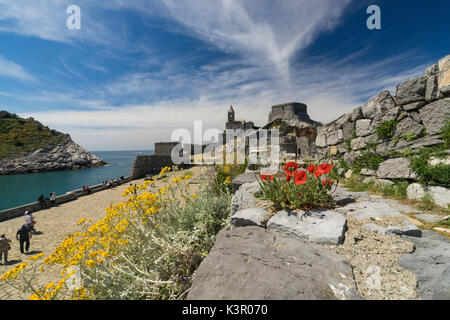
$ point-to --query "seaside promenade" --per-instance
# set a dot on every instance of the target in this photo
(55, 223)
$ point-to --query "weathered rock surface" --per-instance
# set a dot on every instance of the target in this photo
(434, 115)
(397, 168)
(408, 126)
(412, 90)
(65, 156)
(440, 195)
(244, 178)
(249, 217)
(318, 226)
(430, 218)
(244, 198)
(431, 264)
(381, 103)
(251, 263)
(374, 210)
(444, 75)
(363, 127)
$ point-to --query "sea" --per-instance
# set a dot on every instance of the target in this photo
(18, 190)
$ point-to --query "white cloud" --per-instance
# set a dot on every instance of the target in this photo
(12, 70)
(271, 31)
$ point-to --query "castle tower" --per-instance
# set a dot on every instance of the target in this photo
(231, 115)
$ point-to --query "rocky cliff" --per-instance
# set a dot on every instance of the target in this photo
(65, 156)
(27, 146)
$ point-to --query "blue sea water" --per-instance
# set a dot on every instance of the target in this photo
(17, 190)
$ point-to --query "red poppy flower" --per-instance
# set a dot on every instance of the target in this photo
(290, 169)
(323, 169)
(288, 178)
(327, 182)
(311, 168)
(266, 177)
(300, 177)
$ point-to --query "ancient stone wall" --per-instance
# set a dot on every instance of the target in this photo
(164, 148)
(148, 165)
(419, 109)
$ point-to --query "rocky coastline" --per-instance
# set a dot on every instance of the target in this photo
(64, 156)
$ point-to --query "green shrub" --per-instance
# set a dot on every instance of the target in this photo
(386, 129)
(409, 137)
(445, 133)
(427, 174)
(367, 160)
(344, 165)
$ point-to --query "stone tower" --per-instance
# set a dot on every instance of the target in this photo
(231, 115)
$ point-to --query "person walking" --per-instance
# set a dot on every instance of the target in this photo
(29, 218)
(5, 246)
(23, 235)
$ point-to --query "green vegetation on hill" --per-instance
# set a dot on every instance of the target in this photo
(19, 136)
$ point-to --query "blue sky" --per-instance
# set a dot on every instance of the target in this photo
(137, 70)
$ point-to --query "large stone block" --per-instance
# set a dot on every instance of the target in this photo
(363, 127)
(397, 168)
(244, 198)
(432, 89)
(323, 227)
(444, 75)
(249, 217)
(356, 114)
(381, 103)
(434, 115)
(408, 126)
(414, 106)
(244, 178)
(348, 129)
(374, 210)
(358, 143)
(321, 140)
(334, 137)
(251, 263)
(430, 261)
(412, 90)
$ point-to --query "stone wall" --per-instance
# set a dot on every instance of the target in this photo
(287, 111)
(164, 148)
(420, 107)
(149, 165)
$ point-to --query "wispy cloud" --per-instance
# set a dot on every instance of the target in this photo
(12, 70)
(268, 32)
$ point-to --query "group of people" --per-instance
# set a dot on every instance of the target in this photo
(23, 235)
(86, 190)
(42, 199)
(111, 183)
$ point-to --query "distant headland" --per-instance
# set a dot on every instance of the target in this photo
(27, 146)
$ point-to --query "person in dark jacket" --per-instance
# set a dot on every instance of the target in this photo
(24, 235)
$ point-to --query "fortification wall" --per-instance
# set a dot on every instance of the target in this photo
(148, 165)
(164, 148)
(287, 111)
